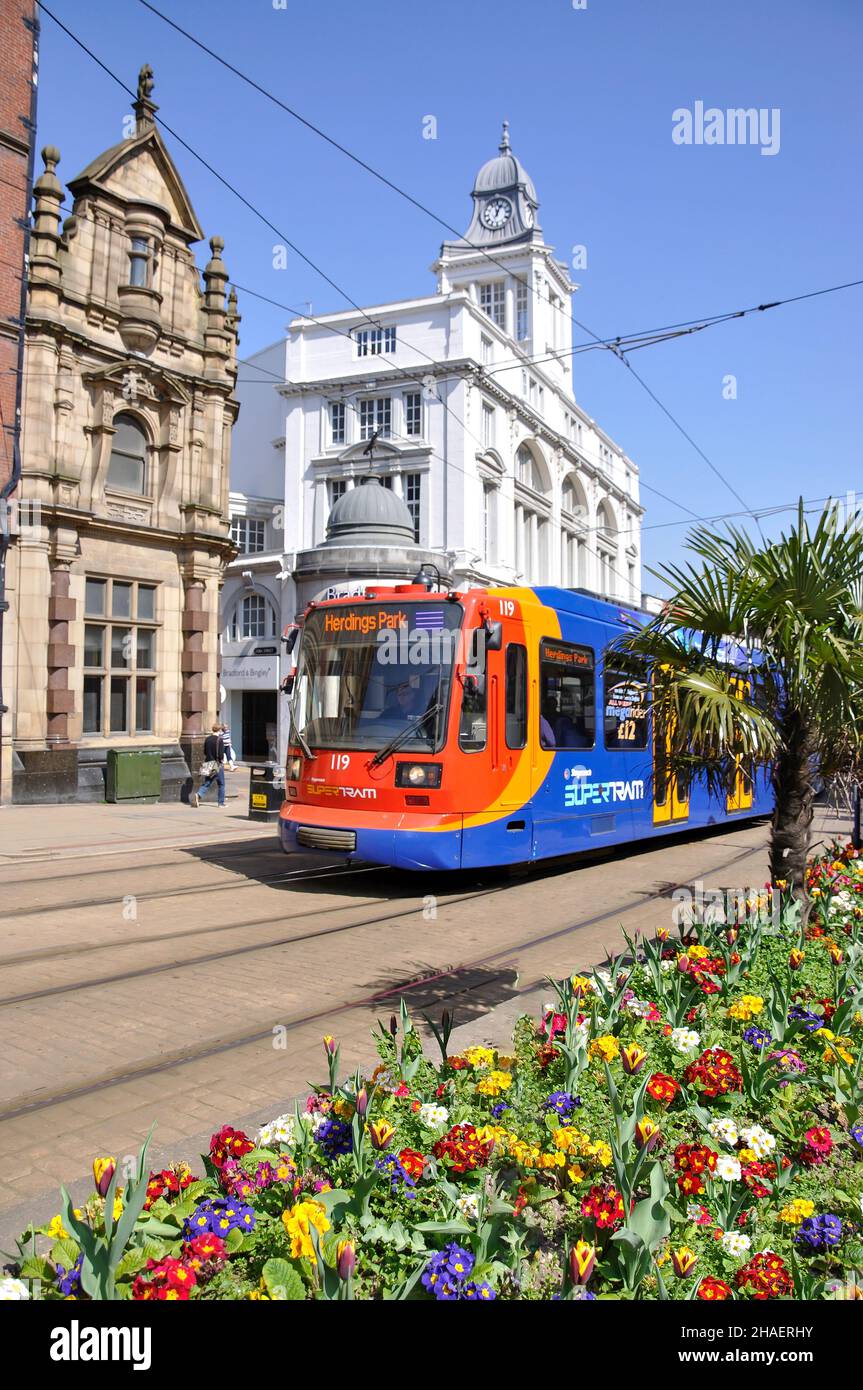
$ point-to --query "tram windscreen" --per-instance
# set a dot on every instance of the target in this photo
(369, 673)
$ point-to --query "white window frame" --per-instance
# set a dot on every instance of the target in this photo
(380, 408)
(492, 301)
(241, 527)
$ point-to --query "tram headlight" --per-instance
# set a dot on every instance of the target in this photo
(293, 768)
(418, 774)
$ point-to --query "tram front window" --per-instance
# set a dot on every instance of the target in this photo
(373, 672)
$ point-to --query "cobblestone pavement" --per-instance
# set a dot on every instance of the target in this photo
(158, 963)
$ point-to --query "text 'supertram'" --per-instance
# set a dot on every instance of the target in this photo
(455, 730)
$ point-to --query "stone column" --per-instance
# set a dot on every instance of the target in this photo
(61, 657)
(194, 666)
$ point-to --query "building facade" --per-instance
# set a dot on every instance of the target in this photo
(459, 402)
(129, 401)
(18, 71)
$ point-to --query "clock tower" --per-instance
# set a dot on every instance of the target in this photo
(505, 265)
(504, 202)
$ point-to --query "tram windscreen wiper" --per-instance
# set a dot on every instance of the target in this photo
(295, 730)
(405, 734)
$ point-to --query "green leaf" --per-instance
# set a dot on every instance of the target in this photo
(282, 1281)
(65, 1252)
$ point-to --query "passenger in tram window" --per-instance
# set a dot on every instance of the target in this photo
(546, 733)
(406, 701)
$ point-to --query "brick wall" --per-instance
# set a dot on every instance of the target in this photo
(17, 27)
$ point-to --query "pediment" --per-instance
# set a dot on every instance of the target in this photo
(140, 169)
(146, 382)
(384, 449)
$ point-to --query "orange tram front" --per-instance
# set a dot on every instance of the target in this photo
(433, 730)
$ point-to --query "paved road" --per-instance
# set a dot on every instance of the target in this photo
(178, 967)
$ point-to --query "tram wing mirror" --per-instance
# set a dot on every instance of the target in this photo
(493, 635)
(287, 684)
(290, 639)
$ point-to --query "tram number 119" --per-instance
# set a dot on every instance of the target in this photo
(339, 762)
(507, 608)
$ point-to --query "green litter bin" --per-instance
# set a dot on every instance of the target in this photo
(134, 774)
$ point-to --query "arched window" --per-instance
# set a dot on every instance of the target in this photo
(528, 471)
(606, 549)
(532, 512)
(573, 547)
(127, 469)
(253, 617)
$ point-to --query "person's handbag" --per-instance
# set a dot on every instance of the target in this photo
(209, 768)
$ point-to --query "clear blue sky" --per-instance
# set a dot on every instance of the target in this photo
(672, 232)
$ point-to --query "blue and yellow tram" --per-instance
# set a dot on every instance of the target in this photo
(435, 730)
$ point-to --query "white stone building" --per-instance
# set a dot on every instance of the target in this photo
(468, 392)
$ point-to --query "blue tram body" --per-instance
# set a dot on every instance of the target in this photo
(536, 747)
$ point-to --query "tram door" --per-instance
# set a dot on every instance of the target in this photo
(670, 796)
(741, 780)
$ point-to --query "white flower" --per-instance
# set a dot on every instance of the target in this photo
(639, 1007)
(685, 1039)
(758, 1140)
(277, 1131)
(433, 1116)
(727, 1168)
(666, 966)
(724, 1129)
(604, 977)
(468, 1206)
(13, 1290)
(318, 1119)
(735, 1243)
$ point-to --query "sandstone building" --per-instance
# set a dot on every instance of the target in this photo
(129, 375)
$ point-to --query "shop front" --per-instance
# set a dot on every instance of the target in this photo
(250, 703)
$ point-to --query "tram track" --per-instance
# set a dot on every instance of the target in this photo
(334, 871)
(251, 948)
(223, 858)
(153, 1066)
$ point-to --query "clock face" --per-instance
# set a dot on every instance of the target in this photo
(496, 213)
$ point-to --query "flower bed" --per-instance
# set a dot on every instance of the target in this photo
(685, 1124)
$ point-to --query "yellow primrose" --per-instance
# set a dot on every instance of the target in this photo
(796, 1211)
(478, 1057)
(607, 1047)
(494, 1083)
(601, 1152)
(56, 1229)
(746, 1007)
(299, 1221)
(697, 952)
(575, 1173)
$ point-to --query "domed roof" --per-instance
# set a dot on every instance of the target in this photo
(369, 514)
(504, 171)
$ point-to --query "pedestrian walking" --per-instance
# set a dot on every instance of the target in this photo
(230, 758)
(211, 768)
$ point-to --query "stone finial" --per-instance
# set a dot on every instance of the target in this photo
(215, 283)
(145, 108)
(233, 317)
(47, 197)
(504, 146)
(216, 266)
(48, 183)
(145, 82)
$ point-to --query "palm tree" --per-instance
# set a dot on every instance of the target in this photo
(787, 617)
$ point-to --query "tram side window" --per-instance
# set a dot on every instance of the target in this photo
(516, 696)
(625, 706)
(473, 723)
(567, 703)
